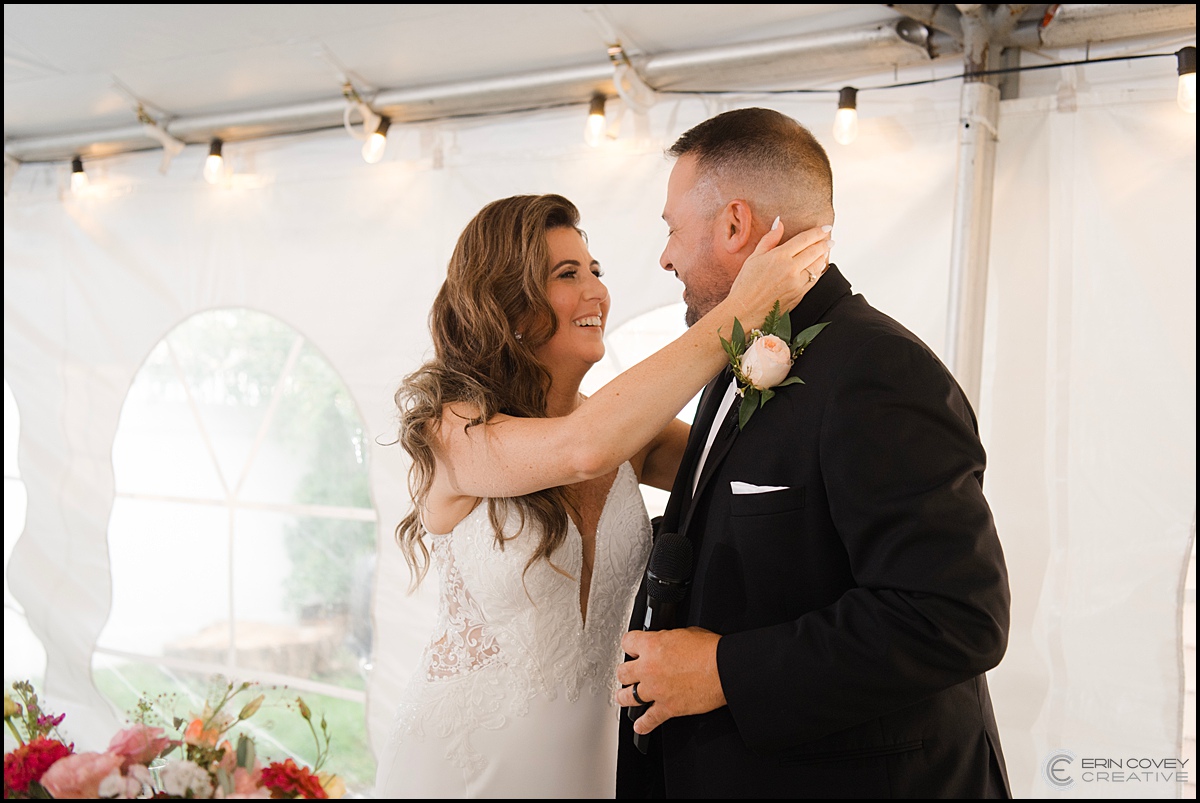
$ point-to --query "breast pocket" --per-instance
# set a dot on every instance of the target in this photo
(766, 532)
(767, 503)
(767, 526)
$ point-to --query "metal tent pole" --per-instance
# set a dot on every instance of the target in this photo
(979, 115)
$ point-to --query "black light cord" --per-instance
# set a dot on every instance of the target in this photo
(956, 77)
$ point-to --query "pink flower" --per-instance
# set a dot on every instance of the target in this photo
(248, 783)
(138, 744)
(79, 775)
(45, 722)
(766, 362)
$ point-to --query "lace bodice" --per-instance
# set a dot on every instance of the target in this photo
(505, 634)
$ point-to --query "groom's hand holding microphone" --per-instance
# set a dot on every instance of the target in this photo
(671, 672)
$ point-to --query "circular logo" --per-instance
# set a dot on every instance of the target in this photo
(1056, 769)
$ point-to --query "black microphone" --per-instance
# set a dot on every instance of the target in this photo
(667, 579)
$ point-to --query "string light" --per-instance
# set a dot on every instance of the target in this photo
(845, 121)
(593, 132)
(372, 150)
(1187, 79)
(79, 179)
(214, 164)
(375, 142)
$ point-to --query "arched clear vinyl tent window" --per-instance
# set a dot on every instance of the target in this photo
(242, 537)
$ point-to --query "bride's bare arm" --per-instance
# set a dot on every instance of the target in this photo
(510, 456)
(658, 463)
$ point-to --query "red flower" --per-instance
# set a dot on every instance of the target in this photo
(28, 763)
(287, 780)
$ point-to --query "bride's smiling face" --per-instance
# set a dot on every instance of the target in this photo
(580, 301)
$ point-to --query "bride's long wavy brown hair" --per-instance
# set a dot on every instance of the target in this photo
(495, 288)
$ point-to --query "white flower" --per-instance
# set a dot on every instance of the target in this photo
(117, 785)
(181, 777)
(141, 773)
(766, 362)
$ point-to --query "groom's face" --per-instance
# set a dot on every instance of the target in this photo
(692, 252)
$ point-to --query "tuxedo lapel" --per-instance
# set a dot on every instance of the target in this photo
(681, 490)
(722, 443)
(832, 287)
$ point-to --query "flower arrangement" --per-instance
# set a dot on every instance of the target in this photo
(206, 760)
(763, 357)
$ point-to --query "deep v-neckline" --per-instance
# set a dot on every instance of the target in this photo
(582, 620)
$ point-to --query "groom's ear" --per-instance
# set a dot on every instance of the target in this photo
(737, 223)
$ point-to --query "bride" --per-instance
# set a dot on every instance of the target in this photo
(526, 501)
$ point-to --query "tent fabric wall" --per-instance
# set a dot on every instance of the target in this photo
(1089, 418)
(1087, 407)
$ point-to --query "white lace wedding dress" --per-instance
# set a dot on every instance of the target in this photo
(514, 693)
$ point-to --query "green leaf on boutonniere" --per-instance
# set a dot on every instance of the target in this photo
(772, 325)
(750, 403)
(783, 327)
(765, 396)
(791, 380)
(739, 336)
(729, 349)
(805, 338)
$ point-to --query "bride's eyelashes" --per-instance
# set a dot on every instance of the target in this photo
(572, 273)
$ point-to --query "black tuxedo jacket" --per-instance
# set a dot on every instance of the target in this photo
(861, 605)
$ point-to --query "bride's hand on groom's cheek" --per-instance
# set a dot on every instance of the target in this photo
(676, 672)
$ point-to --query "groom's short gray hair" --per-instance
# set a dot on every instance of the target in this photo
(766, 158)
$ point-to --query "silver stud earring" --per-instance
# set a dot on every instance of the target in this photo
(517, 335)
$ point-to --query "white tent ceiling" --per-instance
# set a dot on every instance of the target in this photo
(76, 74)
(78, 68)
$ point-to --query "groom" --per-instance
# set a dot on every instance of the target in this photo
(849, 589)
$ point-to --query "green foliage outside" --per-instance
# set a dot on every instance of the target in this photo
(329, 556)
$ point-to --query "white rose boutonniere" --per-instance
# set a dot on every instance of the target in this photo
(762, 358)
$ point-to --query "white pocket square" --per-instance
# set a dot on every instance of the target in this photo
(747, 488)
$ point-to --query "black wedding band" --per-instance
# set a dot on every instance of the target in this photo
(639, 700)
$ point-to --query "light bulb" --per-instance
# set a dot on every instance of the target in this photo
(593, 132)
(1187, 93)
(845, 122)
(845, 126)
(79, 179)
(214, 164)
(1187, 79)
(373, 148)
